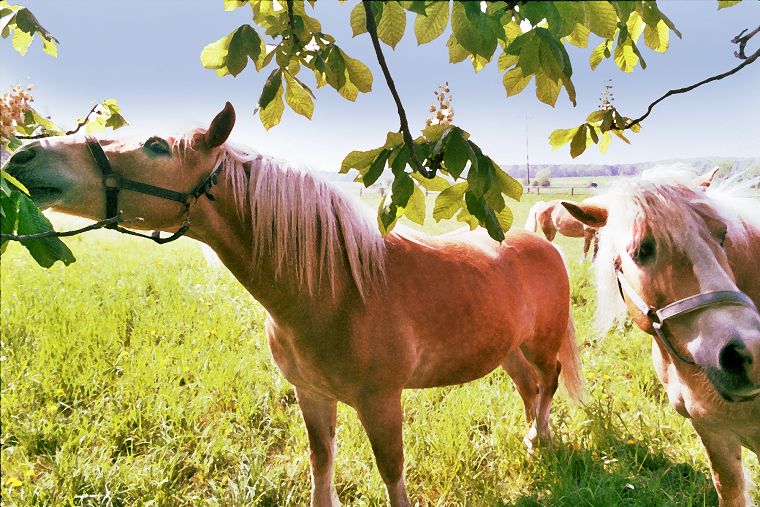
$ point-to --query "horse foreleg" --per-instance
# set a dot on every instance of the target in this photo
(524, 377)
(725, 454)
(596, 245)
(381, 415)
(319, 417)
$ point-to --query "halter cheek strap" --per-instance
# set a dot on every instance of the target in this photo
(114, 183)
(658, 317)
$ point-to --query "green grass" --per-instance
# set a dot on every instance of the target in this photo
(139, 375)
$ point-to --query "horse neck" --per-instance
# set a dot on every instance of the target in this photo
(228, 230)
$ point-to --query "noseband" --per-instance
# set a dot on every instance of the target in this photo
(658, 317)
(114, 183)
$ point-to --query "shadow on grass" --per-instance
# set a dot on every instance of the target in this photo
(622, 474)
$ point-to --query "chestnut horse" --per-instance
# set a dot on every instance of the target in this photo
(684, 259)
(352, 316)
(553, 218)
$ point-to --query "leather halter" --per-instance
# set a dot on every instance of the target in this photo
(114, 183)
(658, 317)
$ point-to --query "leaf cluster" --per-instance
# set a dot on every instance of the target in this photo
(18, 213)
(21, 25)
(298, 43)
(597, 129)
(472, 186)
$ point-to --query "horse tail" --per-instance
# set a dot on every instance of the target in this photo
(570, 360)
(531, 224)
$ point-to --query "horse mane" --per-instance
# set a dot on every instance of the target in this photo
(309, 227)
(667, 206)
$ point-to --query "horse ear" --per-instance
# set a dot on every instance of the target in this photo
(221, 126)
(592, 215)
(706, 179)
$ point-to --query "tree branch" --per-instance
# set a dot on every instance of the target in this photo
(70, 132)
(739, 39)
(292, 21)
(408, 140)
(55, 234)
(742, 40)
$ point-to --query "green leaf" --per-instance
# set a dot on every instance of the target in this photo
(505, 218)
(435, 184)
(561, 137)
(625, 57)
(358, 20)
(21, 41)
(415, 208)
(449, 201)
(429, 26)
(359, 74)
(579, 36)
(657, 39)
(598, 54)
(390, 28)
(579, 142)
(376, 168)
(505, 61)
(601, 18)
(514, 81)
(605, 142)
(272, 87)
(722, 4)
(271, 114)
(456, 153)
(456, 52)
(13, 181)
(116, 121)
(359, 160)
(402, 188)
(466, 217)
(547, 90)
(474, 30)
(297, 97)
(46, 251)
(507, 184)
(50, 47)
(229, 55)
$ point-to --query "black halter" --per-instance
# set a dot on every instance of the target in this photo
(113, 183)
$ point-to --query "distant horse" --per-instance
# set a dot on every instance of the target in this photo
(552, 218)
(685, 261)
(352, 316)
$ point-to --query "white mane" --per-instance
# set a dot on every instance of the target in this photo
(664, 204)
(307, 225)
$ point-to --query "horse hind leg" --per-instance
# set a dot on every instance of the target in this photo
(524, 377)
(547, 370)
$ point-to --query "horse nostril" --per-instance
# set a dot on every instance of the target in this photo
(734, 357)
(22, 157)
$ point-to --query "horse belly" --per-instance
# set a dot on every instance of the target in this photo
(461, 353)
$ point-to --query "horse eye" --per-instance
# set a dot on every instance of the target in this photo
(645, 252)
(722, 238)
(157, 146)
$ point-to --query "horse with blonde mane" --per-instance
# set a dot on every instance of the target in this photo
(352, 316)
(553, 218)
(683, 261)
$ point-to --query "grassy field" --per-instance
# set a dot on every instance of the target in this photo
(141, 376)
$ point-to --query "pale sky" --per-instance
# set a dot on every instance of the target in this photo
(146, 55)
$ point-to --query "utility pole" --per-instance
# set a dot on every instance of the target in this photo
(527, 156)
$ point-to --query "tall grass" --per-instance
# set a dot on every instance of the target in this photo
(139, 375)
